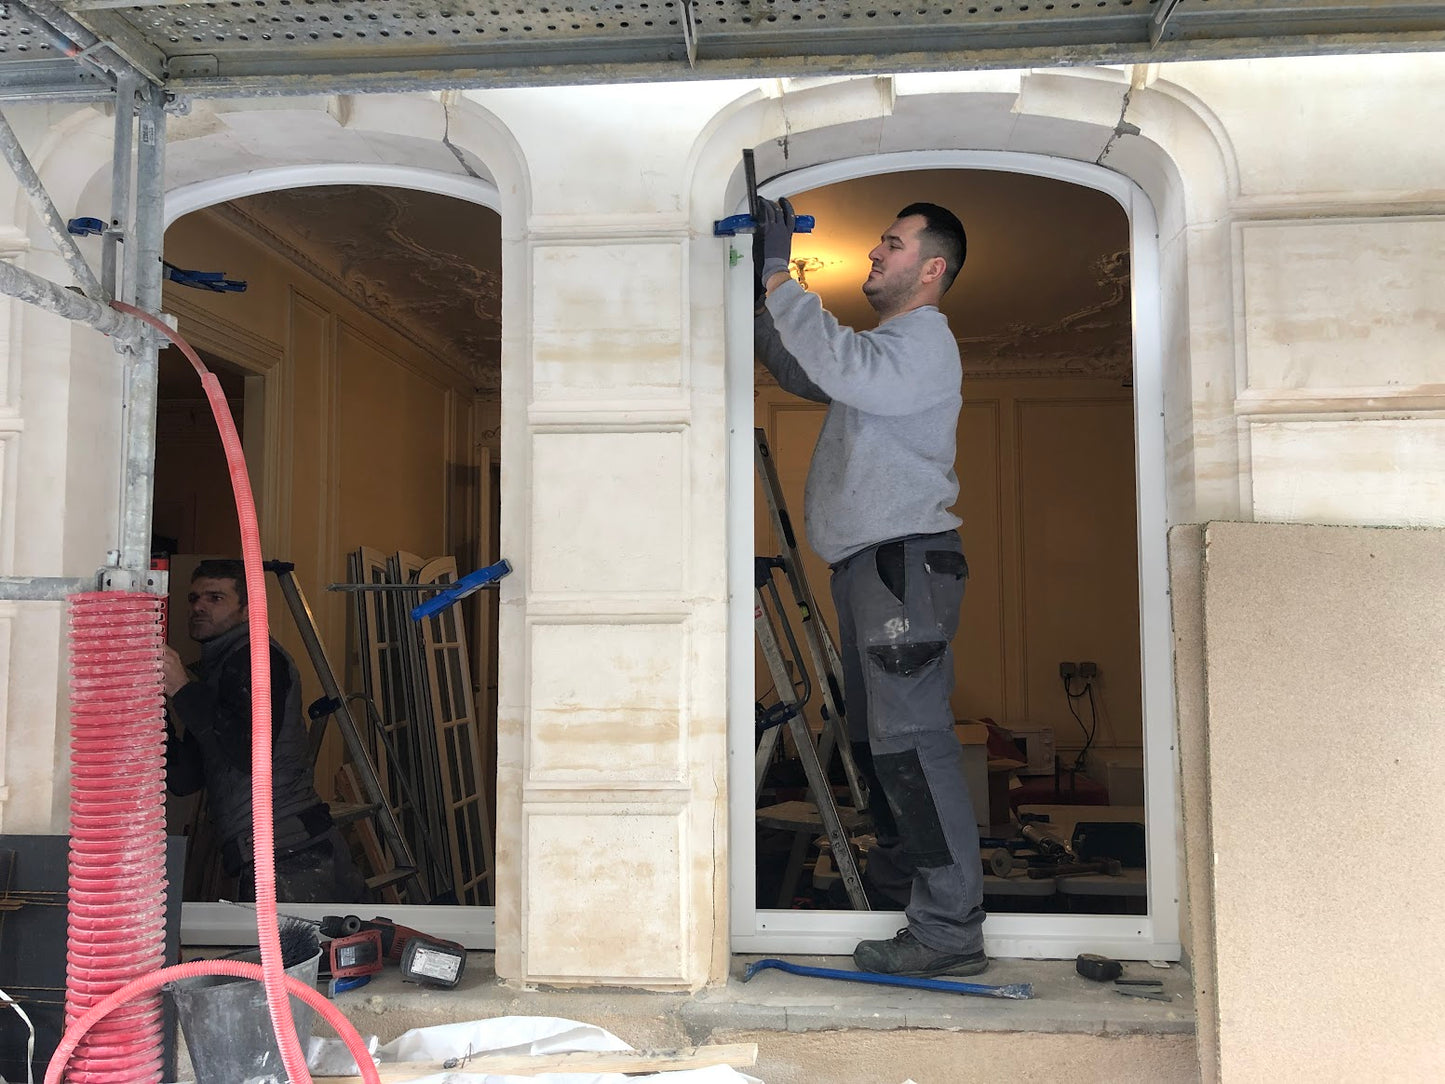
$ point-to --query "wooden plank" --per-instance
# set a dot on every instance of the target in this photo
(403, 568)
(383, 670)
(737, 1055)
(464, 786)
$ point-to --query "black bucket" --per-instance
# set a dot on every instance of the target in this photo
(226, 1022)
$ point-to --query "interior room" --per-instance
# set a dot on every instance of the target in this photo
(356, 333)
(1047, 660)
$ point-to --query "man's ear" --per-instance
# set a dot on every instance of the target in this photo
(933, 269)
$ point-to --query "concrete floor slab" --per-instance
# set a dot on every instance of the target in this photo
(1063, 1003)
(824, 1031)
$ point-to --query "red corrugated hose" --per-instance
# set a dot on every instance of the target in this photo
(117, 852)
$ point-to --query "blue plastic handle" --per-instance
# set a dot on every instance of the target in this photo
(472, 581)
(733, 224)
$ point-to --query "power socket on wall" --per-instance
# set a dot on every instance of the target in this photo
(1083, 670)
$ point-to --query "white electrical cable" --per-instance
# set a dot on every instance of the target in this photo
(6, 999)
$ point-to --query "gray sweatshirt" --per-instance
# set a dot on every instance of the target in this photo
(883, 465)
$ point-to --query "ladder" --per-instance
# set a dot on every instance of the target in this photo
(768, 608)
(821, 652)
(334, 704)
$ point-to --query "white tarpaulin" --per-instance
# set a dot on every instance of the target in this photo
(512, 1035)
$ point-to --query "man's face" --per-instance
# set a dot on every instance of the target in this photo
(898, 263)
(215, 608)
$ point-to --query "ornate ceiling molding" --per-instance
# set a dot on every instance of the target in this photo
(1094, 341)
(444, 305)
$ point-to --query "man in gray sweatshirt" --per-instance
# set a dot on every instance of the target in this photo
(876, 508)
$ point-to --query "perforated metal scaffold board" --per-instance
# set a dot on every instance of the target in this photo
(245, 47)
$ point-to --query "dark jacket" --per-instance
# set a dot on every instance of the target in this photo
(216, 749)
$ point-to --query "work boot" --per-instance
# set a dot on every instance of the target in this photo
(904, 954)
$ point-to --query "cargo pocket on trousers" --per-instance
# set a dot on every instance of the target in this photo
(919, 827)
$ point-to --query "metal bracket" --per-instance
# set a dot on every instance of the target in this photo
(195, 66)
(689, 31)
(156, 581)
(1160, 19)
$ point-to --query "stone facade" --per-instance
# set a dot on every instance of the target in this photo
(1299, 215)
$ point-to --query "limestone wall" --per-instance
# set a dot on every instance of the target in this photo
(1299, 214)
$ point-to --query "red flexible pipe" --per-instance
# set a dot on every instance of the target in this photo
(239, 969)
(111, 798)
(116, 915)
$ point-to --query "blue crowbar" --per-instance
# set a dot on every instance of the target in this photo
(1017, 991)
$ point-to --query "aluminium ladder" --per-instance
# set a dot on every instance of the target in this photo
(822, 654)
(375, 806)
(790, 711)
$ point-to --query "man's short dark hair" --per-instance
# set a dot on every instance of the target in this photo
(944, 234)
(223, 568)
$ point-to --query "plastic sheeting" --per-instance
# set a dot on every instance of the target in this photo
(514, 1035)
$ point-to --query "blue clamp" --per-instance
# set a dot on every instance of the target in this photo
(471, 582)
(735, 224)
(84, 227)
(215, 281)
(340, 986)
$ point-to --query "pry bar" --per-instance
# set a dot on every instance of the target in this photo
(1017, 991)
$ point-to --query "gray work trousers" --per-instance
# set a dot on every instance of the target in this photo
(898, 606)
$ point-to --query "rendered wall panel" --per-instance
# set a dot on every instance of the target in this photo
(606, 891)
(593, 340)
(1366, 471)
(608, 512)
(1325, 302)
(607, 702)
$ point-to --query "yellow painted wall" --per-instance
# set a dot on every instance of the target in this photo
(1046, 476)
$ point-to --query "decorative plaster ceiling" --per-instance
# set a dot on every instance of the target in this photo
(1044, 291)
(428, 266)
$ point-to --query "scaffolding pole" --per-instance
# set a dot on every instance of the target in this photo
(43, 588)
(117, 283)
(52, 297)
(141, 358)
(34, 187)
(128, 565)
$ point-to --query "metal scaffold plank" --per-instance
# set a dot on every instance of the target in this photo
(276, 47)
(110, 41)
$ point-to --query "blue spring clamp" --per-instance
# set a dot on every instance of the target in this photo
(735, 224)
(472, 581)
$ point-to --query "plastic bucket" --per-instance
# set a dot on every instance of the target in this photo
(227, 1025)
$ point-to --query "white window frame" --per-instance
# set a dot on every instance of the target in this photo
(1154, 936)
(227, 923)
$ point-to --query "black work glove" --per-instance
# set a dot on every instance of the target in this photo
(775, 237)
(760, 292)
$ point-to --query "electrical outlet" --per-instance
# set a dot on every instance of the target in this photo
(1067, 670)
(1088, 670)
